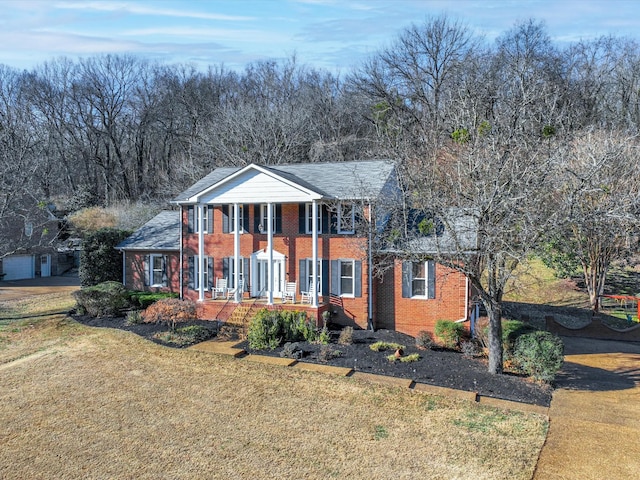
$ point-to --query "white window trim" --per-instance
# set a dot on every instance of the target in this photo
(353, 277)
(310, 274)
(308, 218)
(353, 218)
(196, 272)
(232, 220)
(163, 268)
(262, 226)
(425, 279)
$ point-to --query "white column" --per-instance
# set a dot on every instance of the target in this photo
(236, 250)
(201, 262)
(314, 252)
(270, 252)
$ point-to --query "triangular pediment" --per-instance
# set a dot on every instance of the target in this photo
(254, 184)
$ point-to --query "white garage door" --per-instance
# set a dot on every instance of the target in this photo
(18, 267)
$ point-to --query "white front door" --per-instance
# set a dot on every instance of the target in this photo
(45, 265)
(260, 273)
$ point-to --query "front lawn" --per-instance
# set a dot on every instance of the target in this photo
(81, 402)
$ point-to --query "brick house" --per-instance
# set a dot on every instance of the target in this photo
(291, 236)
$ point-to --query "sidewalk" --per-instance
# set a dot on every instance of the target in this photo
(595, 414)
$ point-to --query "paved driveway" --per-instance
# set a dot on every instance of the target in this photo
(595, 414)
(38, 286)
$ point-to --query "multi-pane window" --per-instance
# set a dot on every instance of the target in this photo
(194, 272)
(346, 277)
(264, 217)
(318, 276)
(418, 279)
(157, 270)
(346, 218)
(309, 218)
(232, 218)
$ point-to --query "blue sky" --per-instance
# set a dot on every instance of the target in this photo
(332, 34)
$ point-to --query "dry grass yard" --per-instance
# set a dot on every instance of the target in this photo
(77, 402)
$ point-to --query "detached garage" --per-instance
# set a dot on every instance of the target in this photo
(19, 267)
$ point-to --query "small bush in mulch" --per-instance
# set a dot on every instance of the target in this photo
(539, 354)
(424, 340)
(184, 336)
(102, 300)
(146, 299)
(450, 333)
(170, 311)
(269, 329)
(382, 346)
(346, 336)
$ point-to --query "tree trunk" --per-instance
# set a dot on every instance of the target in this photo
(494, 310)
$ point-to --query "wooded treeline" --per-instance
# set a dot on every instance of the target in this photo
(114, 127)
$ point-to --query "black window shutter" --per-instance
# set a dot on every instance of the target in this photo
(335, 277)
(146, 265)
(190, 219)
(358, 278)
(325, 276)
(406, 279)
(209, 218)
(256, 219)
(302, 216)
(245, 217)
(431, 279)
(225, 219)
(191, 280)
(303, 277)
(278, 218)
(210, 272)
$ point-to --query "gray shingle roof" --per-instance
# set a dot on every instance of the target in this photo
(162, 232)
(338, 180)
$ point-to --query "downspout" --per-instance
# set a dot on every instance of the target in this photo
(466, 301)
(370, 269)
(180, 261)
(124, 268)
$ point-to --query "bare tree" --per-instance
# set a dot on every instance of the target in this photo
(600, 195)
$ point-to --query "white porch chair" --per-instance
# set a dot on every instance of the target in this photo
(220, 288)
(231, 292)
(289, 292)
(307, 297)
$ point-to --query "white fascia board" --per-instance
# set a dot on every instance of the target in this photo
(197, 198)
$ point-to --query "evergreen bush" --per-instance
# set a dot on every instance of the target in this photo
(103, 300)
(539, 354)
(449, 332)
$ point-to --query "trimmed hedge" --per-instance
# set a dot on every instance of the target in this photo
(106, 299)
(146, 299)
(271, 328)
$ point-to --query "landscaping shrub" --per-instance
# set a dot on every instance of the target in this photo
(170, 311)
(145, 299)
(134, 317)
(414, 357)
(346, 336)
(469, 349)
(291, 350)
(382, 346)
(102, 300)
(183, 336)
(327, 353)
(268, 329)
(449, 332)
(511, 331)
(424, 340)
(99, 259)
(539, 354)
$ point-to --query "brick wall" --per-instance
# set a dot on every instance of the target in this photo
(135, 271)
(411, 315)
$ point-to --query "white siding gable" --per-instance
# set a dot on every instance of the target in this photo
(256, 186)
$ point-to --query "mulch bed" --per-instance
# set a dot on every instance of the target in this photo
(437, 367)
